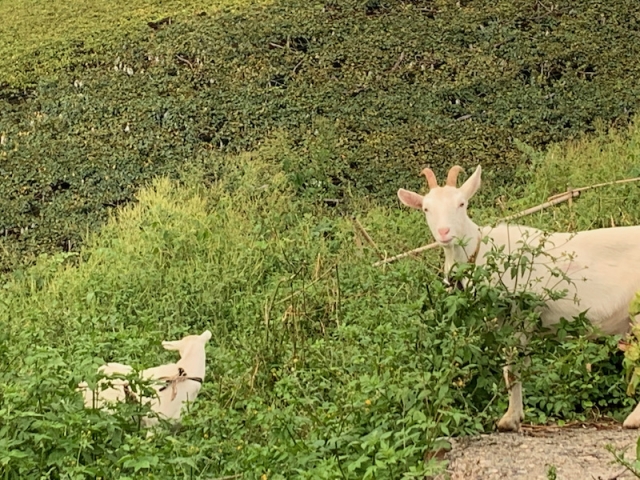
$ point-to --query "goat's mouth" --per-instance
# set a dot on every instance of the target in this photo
(445, 241)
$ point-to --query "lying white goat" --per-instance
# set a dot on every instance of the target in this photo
(603, 265)
(181, 381)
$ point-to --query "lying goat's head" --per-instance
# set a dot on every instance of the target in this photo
(445, 207)
(188, 342)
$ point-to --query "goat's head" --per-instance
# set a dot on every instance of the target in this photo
(445, 207)
(188, 342)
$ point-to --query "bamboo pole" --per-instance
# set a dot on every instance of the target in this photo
(597, 185)
(569, 195)
(558, 199)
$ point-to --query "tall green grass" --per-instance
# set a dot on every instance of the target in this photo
(320, 366)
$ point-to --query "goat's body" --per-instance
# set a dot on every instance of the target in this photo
(603, 268)
(109, 391)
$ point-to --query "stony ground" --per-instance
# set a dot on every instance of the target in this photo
(577, 452)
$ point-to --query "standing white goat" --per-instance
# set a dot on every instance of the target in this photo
(606, 261)
(180, 382)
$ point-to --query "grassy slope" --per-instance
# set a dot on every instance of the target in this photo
(319, 363)
(368, 92)
(321, 366)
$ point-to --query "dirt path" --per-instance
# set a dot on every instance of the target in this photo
(577, 453)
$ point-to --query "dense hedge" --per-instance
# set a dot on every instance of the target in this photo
(368, 92)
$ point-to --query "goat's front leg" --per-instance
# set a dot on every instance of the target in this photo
(633, 420)
(510, 422)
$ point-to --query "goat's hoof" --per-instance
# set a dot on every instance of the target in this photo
(631, 422)
(509, 423)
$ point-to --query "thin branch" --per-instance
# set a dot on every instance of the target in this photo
(254, 374)
(559, 199)
(622, 461)
(565, 196)
(295, 69)
(397, 64)
(184, 60)
(367, 237)
(406, 254)
(569, 195)
(229, 477)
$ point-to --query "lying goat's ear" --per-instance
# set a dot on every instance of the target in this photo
(175, 345)
(410, 199)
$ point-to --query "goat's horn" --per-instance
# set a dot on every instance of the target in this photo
(452, 176)
(431, 177)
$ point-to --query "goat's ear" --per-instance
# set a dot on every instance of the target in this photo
(410, 199)
(206, 335)
(175, 345)
(471, 186)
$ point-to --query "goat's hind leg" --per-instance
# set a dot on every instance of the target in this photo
(510, 421)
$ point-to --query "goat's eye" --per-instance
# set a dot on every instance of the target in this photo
(461, 204)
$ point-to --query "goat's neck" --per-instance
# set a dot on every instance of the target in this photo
(462, 248)
(193, 362)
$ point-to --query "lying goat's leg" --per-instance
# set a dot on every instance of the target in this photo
(510, 422)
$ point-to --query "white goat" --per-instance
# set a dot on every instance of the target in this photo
(180, 382)
(606, 261)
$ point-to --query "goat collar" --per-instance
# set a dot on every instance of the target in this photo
(179, 378)
(471, 259)
(474, 255)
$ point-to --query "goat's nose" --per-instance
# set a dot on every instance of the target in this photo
(443, 231)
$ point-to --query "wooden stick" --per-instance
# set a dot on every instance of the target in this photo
(367, 237)
(570, 194)
(406, 254)
(565, 196)
(582, 189)
(559, 199)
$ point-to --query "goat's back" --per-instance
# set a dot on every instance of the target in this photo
(603, 266)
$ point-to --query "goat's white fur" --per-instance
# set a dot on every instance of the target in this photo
(111, 390)
(192, 361)
(603, 265)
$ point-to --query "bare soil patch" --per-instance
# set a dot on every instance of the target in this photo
(577, 452)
